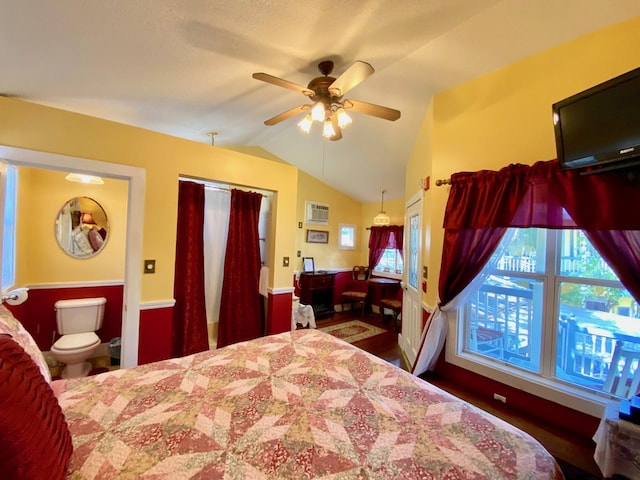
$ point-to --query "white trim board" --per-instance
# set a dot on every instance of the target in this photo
(135, 220)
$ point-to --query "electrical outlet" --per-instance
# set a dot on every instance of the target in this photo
(299, 254)
(500, 398)
(299, 224)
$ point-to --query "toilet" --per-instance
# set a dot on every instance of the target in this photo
(77, 321)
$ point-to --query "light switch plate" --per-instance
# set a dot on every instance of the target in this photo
(149, 266)
(285, 261)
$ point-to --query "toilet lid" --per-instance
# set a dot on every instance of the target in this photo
(76, 340)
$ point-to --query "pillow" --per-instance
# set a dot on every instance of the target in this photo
(10, 326)
(35, 439)
(95, 239)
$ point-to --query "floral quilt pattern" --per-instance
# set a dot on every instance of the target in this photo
(297, 405)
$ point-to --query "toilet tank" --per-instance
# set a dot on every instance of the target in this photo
(79, 315)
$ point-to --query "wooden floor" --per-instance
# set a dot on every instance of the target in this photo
(575, 454)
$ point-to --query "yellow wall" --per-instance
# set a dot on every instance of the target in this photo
(165, 158)
(342, 209)
(505, 117)
(41, 194)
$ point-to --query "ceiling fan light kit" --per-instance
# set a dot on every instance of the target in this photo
(326, 93)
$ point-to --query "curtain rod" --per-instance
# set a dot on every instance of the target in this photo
(446, 181)
(223, 189)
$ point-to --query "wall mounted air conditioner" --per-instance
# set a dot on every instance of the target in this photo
(316, 213)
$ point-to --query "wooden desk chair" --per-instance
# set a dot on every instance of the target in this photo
(395, 305)
(625, 384)
(357, 290)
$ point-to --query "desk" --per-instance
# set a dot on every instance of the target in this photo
(617, 445)
(316, 289)
(383, 288)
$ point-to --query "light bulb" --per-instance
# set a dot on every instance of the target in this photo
(328, 130)
(317, 112)
(305, 123)
(343, 118)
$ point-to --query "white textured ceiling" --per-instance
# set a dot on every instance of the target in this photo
(183, 67)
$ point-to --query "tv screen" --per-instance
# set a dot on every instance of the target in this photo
(600, 126)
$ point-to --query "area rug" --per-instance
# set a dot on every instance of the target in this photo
(353, 331)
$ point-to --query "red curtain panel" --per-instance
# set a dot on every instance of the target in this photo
(481, 205)
(382, 238)
(241, 311)
(190, 321)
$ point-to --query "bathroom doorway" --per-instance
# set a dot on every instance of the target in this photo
(133, 244)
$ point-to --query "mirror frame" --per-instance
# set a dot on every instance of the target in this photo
(87, 224)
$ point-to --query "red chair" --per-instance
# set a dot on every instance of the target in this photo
(357, 290)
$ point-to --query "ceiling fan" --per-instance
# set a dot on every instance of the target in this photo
(326, 94)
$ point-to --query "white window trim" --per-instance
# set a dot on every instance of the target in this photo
(341, 246)
(542, 385)
(557, 392)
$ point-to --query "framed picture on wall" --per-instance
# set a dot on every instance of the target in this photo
(317, 236)
(307, 265)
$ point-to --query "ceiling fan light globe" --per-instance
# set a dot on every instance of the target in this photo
(305, 123)
(328, 130)
(317, 112)
(343, 118)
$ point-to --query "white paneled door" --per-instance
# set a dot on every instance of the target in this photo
(412, 298)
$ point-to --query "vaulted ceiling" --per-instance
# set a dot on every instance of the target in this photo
(184, 67)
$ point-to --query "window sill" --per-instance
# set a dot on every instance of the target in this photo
(395, 276)
(563, 394)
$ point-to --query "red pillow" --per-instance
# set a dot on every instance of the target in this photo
(35, 439)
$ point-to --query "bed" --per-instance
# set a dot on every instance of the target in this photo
(300, 404)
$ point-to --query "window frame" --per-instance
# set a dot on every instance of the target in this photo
(345, 246)
(394, 274)
(10, 174)
(543, 384)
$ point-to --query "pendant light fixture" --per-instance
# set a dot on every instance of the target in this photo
(382, 218)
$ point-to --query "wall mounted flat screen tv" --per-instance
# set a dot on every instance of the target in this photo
(600, 127)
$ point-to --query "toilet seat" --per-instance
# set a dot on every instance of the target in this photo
(75, 341)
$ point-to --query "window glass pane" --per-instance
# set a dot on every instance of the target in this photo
(579, 258)
(596, 315)
(592, 319)
(412, 277)
(504, 321)
(391, 261)
(526, 251)
(347, 236)
(9, 229)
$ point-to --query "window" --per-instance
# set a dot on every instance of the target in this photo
(391, 262)
(550, 307)
(347, 237)
(9, 228)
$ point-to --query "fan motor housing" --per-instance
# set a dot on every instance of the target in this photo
(320, 85)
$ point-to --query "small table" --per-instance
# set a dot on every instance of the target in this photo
(617, 445)
(383, 288)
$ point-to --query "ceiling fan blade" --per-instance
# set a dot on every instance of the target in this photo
(336, 128)
(351, 77)
(379, 111)
(281, 82)
(285, 115)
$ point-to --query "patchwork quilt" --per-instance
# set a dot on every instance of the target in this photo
(301, 404)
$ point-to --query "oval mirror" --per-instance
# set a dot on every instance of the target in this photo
(82, 227)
